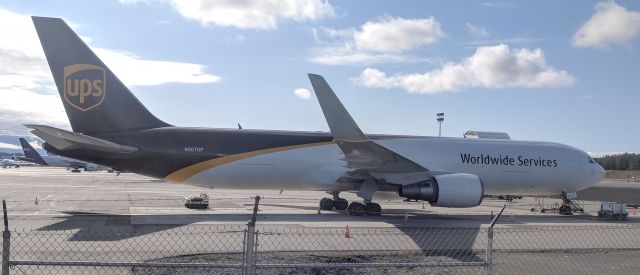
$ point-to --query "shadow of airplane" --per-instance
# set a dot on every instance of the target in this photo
(136, 225)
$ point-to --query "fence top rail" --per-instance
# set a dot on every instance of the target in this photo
(284, 229)
(183, 230)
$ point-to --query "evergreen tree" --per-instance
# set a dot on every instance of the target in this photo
(626, 161)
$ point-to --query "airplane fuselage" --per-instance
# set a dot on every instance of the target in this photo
(286, 160)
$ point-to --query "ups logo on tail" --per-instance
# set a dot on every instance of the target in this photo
(84, 86)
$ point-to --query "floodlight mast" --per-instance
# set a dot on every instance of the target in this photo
(440, 119)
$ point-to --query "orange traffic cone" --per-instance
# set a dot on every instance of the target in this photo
(406, 216)
(347, 232)
(36, 200)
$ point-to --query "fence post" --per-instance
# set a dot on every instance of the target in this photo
(6, 240)
(248, 251)
(250, 240)
(489, 252)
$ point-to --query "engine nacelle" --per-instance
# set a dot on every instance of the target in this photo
(448, 190)
(91, 167)
(459, 190)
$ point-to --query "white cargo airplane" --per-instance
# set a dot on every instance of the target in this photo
(10, 163)
(112, 128)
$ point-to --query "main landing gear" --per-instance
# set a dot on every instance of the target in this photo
(355, 208)
(364, 209)
(330, 204)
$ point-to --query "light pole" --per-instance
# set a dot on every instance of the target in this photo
(440, 119)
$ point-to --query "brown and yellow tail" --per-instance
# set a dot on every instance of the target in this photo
(95, 100)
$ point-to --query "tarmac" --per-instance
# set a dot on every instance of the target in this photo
(104, 200)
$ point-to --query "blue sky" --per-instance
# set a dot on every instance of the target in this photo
(564, 71)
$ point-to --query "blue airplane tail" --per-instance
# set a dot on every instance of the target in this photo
(30, 154)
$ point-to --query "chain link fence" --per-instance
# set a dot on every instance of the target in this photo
(291, 250)
(286, 249)
(557, 249)
(67, 252)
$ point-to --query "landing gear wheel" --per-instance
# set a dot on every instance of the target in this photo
(373, 209)
(340, 204)
(356, 209)
(326, 204)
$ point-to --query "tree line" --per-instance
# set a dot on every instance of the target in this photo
(626, 161)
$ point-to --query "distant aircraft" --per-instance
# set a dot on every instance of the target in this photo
(31, 155)
(10, 163)
(112, 128)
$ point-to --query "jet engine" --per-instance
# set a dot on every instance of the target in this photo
(447, 190)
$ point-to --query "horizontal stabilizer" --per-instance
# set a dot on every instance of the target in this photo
(65, 140)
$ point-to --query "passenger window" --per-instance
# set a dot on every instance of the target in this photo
(591, 160)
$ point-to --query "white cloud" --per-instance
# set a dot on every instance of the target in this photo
(27, 91)
(477, 31)
(22, 55)
(235, 39)
(497, 4)
(348, 56)
(20, 106)
(383, 40)
(397, 34)
(20, 36)
(492, 67)
(302, 93)
(610, 24)
(263, 14)
(9, 146)
(135, 71)
(585, 97)
(512, 40)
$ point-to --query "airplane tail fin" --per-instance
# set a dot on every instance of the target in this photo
(95, 100)
(30, 154)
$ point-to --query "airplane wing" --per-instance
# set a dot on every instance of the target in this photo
(65, 140)
(360, 152)
(69, 161)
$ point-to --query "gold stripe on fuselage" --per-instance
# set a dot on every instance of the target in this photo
(185, 173)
